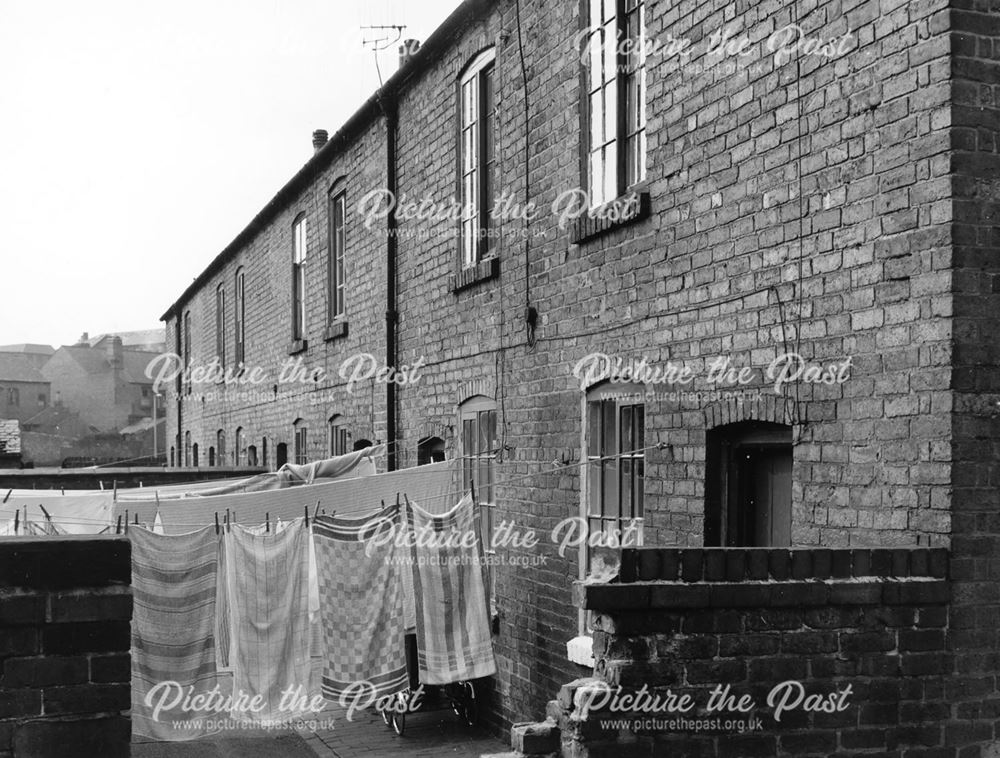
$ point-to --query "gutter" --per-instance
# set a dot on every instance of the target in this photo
(391, 314)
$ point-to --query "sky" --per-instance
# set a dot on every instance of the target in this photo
(137, 138)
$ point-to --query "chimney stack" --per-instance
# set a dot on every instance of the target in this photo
(320, 138)
(407, 50)
(116, 354)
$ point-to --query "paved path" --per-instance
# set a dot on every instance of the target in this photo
(431, 734)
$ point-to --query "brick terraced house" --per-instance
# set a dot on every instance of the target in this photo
(673, 184)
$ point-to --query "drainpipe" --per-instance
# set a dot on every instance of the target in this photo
(178, 446)
(391, 315)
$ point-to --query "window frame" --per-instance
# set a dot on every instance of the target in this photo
(479, 74)
(220, 447)
(337, 244)
(300, 445)
(472, 410)
(300, 254)
(336, 436)
(220, 324)
(187, 351)
(238, 445)
(623, 395)
(624, 71)
(239, 316)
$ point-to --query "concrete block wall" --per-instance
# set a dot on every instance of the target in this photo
(65, 667)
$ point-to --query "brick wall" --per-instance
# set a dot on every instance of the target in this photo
(65, 608)
(976, 376)
(794, 206)
(687, 620)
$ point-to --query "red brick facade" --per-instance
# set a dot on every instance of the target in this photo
(834, 207)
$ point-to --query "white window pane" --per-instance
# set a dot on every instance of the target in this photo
(596, 120)
(610, 112)
(610, 52)
(610, 172)
(596, 58)
(596, 177)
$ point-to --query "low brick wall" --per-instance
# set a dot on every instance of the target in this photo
(65, 608)
(864, 632)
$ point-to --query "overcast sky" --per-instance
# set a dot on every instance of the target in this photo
(137, 138)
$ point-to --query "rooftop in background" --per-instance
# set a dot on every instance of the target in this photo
(28, 348)
(143, 339)
(20, 367)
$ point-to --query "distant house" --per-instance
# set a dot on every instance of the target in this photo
(10, 443)
(105, 384)
(151, 340)
(37, 354)
(24, 390)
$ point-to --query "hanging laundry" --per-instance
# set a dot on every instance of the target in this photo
(361, 606)
(267, 595)
(174, 590)
(452, 613)
(348, 497)
(72, 513)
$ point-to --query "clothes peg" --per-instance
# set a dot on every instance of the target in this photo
(137, 519)
(45, 513)
(306, 509)
(229, 526)
(115, 497)
(101, 482)
(126, 521)
(7, 496)
(217, 522)
(62, 490)
(17, 519)
(267, 522)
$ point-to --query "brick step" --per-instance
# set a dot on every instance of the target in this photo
(541, 738)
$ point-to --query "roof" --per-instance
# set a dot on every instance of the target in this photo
(142, 426)
(10, 437)
(94, 360)
(372, 109)
(19, 367)
(28, 347)
(136, 362)
(140, 338)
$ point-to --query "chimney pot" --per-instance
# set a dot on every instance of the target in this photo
(320, 138)
(407, 50)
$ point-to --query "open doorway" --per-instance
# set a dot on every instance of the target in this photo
(748, 487)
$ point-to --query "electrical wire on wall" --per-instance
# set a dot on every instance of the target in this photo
(530, 314)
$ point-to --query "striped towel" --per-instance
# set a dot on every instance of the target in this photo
(267, 606)
(361, 606)
(453, 623)
(174, 587)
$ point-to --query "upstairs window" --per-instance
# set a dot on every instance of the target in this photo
(477, 156)
(299, 254)
(220, 325)
(616, 98)
(239, 311)
(13, 396)
(187, 350)
(338, 247)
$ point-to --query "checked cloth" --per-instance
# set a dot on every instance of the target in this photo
(361, 605)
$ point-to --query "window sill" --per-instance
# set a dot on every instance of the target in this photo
(580, 650)
(335, 331)
(630, 208)
(297, 346)
(482, 271)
